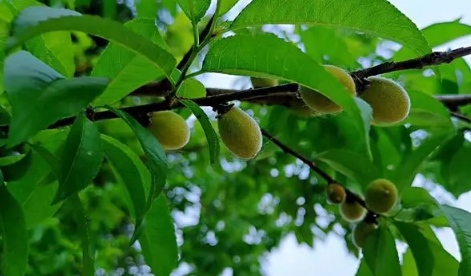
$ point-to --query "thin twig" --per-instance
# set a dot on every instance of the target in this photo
(312, 165)
(460, 116)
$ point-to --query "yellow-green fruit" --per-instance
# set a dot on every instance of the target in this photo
(302, 110)
(240, 133)
(389, 101)
(321, 103)
(262, 82)
(170, 129)
(352, 211)
(380, 196)
(335, 193)
(362, 231)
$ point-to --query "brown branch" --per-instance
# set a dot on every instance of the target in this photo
(460, 116)
(312, 165)
(434, 58)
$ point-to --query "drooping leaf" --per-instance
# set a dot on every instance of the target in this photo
(88, 254)
(191, 88)
(158, 240)
(38, 20)
(419, 246)
(14, 235)
(133, 70)
(194, 9)
(380, 253)
(40, 96)
(409, 267)
(460, 222)
(414, 196)
(270, 57)
(458, 172)
(388, 22)
(351, 164)
(4, 29)
(404, 175)
(80, 160)
(363, 269)
(211, 135)
(132, 173)
(157, 162)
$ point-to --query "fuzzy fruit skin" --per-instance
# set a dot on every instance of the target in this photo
(335, 193)
(240, 133)
(380, 196)
(263, 82)
(362, 231)
(321, 103)
(389, 101)
(170, 129)
(352, 211)
(303, 111)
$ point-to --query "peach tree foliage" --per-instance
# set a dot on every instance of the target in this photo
(88, 189)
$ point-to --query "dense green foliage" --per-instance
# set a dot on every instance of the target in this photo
(88, 189)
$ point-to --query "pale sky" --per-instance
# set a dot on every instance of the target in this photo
(329, 257)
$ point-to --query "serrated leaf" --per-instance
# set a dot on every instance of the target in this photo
(40, 96)
(211, 135)
(80, 160)
(460, 222)
(194, 9)
(387, 22)
(157, 162)
(419, 246)
(351, 164)
(52, 48)
(191, 89)
(132, 173)
(268, 56)
(404, 175)
(38, 20)
(88, 255)
(380, 253)
(158, 239)
(14, 235)
(133, 70)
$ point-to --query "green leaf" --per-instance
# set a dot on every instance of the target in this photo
(356, 166)
(380, 253)
(147, 8)
(388, 22)
(131, 172)
(427, 111)
(158, 240)
(80, 160)
(460, 222)
(38, 20)
(271, 57)
(133, 70)
(409, 267)
(88, 253)
(419, 246)
(191, 89)
(157, 163)
(458, 172)
(404, 175)
(14, 235)
(211, 135)
(415, 196)
(40, 96)
(194, 9)
(226, 5)
(4, 29)
(363, 269)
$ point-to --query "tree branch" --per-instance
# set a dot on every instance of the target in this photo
(434, 58)
(312, 165)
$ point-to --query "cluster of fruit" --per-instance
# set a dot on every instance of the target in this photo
(380, 197)
(239, 132)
